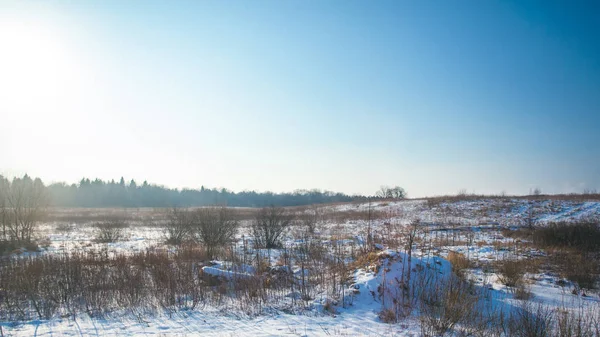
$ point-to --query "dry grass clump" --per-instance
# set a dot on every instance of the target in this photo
(459, 262)
(511, 272)
(367, 260)
(444, 304)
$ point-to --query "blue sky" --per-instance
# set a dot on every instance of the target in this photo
(434, 96)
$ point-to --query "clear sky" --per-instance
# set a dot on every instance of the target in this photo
(434, 96)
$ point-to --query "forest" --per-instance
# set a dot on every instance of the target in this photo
(99, 193)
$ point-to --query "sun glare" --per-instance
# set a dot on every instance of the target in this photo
(35, 67)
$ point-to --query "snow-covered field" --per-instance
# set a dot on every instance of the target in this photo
(473, 228)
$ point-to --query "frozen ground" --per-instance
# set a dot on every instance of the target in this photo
(477, 221)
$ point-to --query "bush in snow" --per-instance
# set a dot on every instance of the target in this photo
(107, 232)
(269, 225)
(530, 320)
(179, 227)
(444, 303)
(459, 262)
(215, 228)
(511, 272)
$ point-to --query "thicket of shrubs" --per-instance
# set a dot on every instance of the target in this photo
(45, 286)
(50, 285)
(580, 236)
(214, 227)
(573, 249)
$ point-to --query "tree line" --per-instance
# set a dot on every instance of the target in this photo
(100, 193)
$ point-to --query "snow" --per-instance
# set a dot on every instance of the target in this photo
(220, 271)
(200, 323)
(371, 287)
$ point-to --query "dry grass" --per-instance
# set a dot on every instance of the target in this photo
(582, 269)
(445, 304)
(459, 262)
(511, 272)
(353, 215)
(371, 261)
(388, 316)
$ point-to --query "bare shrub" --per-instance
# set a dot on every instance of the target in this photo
(511, 272)
(179, 227)
(269, 225)
(23, 205)
(444, 304)
(216, 228)
(107, 232)
(530, 320)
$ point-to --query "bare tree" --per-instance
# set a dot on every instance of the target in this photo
(25, 205)
(179, 228)
(395, 192)
(269, 225)
(217, 227)
(535, 191)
